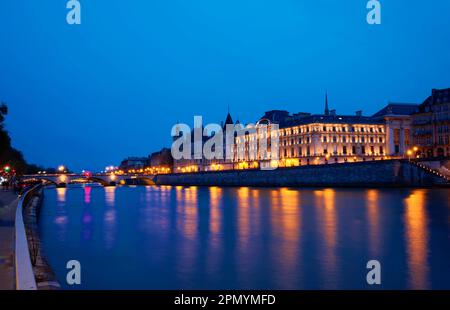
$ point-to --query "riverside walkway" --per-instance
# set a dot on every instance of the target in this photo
(8, 204)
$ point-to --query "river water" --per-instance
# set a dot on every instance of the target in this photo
(167, 237)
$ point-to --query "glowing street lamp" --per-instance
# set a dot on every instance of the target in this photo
(409, 153)
(61, 168)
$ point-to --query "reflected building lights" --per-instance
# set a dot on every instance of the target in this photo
(215, 194)
(286, 224)
(61, 196)
(110, 195)
(187, 207)
(325, 202)
(243, 196)
(416, 235)
(87, 194)
(373, 218)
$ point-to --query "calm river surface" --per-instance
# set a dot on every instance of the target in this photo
(163, 237)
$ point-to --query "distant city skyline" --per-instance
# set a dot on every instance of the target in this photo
(87, 96)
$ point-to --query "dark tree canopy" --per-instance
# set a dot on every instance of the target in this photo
(9, 155)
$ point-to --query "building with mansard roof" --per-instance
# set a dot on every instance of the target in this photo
(431, 124)
(306, 138)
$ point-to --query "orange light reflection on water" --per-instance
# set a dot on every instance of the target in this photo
(61, 195)
(243, 216)
(416, 235)
(373, 219)
(187, 204)
(286, 227)
(215, 196)
(325, 204)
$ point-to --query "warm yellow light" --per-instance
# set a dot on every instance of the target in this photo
(415, 149)
(61, 168)
(409, 152)
(112, 177)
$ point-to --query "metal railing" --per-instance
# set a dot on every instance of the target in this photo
(430, 170)
(25, 279)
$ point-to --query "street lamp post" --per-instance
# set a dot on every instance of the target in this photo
(409, 152)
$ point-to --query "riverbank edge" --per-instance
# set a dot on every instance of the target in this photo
(378, 174)
(43, 273)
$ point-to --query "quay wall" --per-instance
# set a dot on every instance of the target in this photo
(387, 173)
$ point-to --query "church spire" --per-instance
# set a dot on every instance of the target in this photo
(327, 110)
(229, 119)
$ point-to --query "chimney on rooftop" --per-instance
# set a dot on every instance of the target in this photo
(359, 113)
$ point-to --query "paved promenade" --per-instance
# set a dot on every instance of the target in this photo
(8, 203)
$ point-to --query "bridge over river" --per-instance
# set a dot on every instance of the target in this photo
(103, 179)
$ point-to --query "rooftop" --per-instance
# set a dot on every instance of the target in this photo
(329, 119)
(397, 109)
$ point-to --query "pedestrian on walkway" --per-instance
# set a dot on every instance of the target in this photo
(5, 185)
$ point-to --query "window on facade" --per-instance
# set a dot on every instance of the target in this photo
(372, 150)
(353, 150)
(344, 139)
(381, 150)
(308, 151)
(363, 149)
(324, 128)
(334, 139)
(344, 150)
(397, 136)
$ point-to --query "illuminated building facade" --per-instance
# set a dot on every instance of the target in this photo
(306, 139)
(432, 125)
(197, 162)
(133, 164)
(160, 162)
(399, 130)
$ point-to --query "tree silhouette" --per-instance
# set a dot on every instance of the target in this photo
(8, 154)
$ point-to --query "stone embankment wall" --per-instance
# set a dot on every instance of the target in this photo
(45, 277)
(389, 173)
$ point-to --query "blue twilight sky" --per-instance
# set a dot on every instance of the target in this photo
(89, 95)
